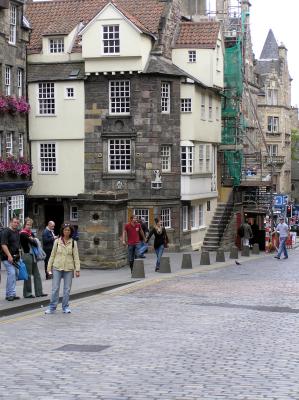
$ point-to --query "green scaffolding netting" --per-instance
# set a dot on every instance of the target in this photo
(232, 118)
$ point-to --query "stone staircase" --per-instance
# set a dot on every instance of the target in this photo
(218, 225)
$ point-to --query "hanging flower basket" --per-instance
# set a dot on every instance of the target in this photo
(15, 167)
(14, 105)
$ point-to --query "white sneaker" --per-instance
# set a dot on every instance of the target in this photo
(49, 311)
(66, 310)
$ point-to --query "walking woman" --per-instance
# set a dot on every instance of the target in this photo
(160, 242)
(27, 242)
(63, 263)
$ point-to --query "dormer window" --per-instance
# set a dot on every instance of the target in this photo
(56, 45)
(111, 42)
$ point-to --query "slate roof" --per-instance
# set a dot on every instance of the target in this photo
(60, 17)
(270, 49)
(55, 72)
(161, 65)
(200, 35)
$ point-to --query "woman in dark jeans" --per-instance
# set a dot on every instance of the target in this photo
(160, 241)
(27, 241)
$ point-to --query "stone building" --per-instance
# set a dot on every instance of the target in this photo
(275, 112)
(15, 168)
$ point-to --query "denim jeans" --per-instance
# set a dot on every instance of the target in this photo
(11, 279)
(282, 247)
(132, 251)
(159, 252)
(67, 284)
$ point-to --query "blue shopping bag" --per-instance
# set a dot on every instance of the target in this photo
(22, 274)
(142, 249)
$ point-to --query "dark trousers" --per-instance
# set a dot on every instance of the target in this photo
(46, 260)
(32, 269)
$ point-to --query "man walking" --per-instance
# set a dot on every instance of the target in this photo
(10, 244)
(247, 233)
(48, 238)
(131, 237)
(283, 230)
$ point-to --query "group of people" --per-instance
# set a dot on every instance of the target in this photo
(136, 233)
(61, 260)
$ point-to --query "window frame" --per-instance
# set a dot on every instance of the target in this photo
(192, 56)
(74, 215)
(189, 151)
(66, 93)
(119, 102)
(271, 148)
(273, 124)
(55, 47)
(165, 97)
(21, 145)
(166, 217)
(186, 105)
(165, 158)
(12, 24)
(210, 107)
(43, 100)
(272, 96)
(109, 46)
(7, 80)
(40, 170)
(203, 107)
(9, 144)
(119, 155)
(20, 81)
(142, 213)
(185, 218)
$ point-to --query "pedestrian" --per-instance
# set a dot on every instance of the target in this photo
(283, 230)
(28, 241)
(48, 239)
(160, 241)
(131, 237)
(10, 244)
(63, 263)
(247, 233)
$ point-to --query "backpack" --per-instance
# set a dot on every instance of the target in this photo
(241, 231)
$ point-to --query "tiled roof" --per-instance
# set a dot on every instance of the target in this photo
(62, 16)
(270, 49)
(201, 35)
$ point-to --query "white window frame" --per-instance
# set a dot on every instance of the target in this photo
(210, 108)
(21, 145)
(56, 45)
(9, 144)
(201, 216)
(7, 81)
(186, 105)
(122, 156)
(111, 39)
(185, 217)
(165, 97)
(203, 106)
(208, 158)
(187, 154)
(46, 92)
(272, 124)
(20, 76)
(272, 96)
(165, 158)
(50, 166)
(217, 113)
(273, 150)
(16, 203)
(193, 218)
(119, 97)
(12, 24)
(204, 158)
(166, 218)
(74, 213)
(192, 56)
(142, 213)
(67, 93)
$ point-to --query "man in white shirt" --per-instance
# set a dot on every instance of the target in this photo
(283, 230)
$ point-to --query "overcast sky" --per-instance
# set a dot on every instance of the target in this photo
(282, 18)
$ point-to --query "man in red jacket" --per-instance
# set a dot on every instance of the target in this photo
(132, 234)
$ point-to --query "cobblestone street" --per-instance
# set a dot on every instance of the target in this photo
(230, 333)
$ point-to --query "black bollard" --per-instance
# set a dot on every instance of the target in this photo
(205, 258)
(165, 265)
(138, 270)
(187, 261)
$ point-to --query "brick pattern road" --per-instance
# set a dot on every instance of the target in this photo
(224, 334)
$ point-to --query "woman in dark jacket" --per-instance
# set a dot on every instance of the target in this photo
(161, 240)
(27, 242)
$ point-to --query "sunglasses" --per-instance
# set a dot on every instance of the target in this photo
(66, 225)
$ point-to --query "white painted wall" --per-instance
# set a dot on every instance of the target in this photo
(134, 45)
(69, 179)
(68, 122)
(197, 235)
(204, 69)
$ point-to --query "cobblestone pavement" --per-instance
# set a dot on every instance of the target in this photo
(224, 334)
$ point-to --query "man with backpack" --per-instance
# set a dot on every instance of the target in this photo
(10, 245)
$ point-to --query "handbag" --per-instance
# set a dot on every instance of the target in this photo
(22, 274)
(38, 252)
(165, 240)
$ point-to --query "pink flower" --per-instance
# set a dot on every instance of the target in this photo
(16, 167)
(14, 105)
